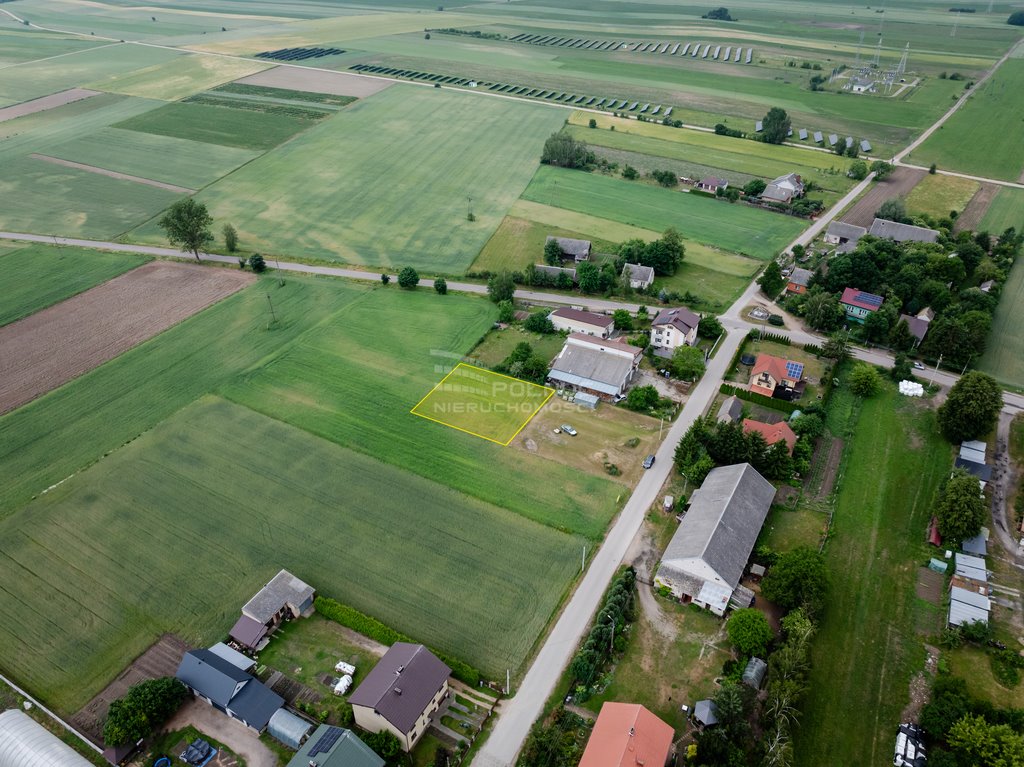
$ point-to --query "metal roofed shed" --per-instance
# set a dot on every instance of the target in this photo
(706, 713)
(288, 728)
(961, 613)
(974, 444)
(235, 658)
(249, 633)
(26, 743)
(971, 567)
(586, 400)
(335, 747)
(978, 545)
(731, 410)
(283, 593)
(754, 673)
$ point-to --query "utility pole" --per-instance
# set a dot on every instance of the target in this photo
(938, 362)
(273, 316)
(508, 682)
(583, 562)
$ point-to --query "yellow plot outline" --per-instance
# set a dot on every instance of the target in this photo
(440, 383)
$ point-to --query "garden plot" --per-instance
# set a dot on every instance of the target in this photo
(50, 347)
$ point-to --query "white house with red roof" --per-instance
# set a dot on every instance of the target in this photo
(628, 735)
(858, 304)
(775, 377)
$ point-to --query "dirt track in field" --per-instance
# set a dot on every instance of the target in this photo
(46, 102)
(49, 348)
(898, 184)
(976, 208)
(314, 81)
(112, 173)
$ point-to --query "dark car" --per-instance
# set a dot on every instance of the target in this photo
(648, 461)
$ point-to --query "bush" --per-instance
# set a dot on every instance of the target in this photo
(539, 322)
(441, 286)
(230, 238)
(1016, 19)
(143, 709)
(257, 264)
(798, 579)
(642, 398)
(374, 629)
(385, 279)
(408, 278)
(749, 632)
(630, 173)
(592, 123)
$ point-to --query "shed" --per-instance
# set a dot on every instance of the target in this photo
(970, 454)
(971, 567)
(288, 728)
(578, 249)
(706, 713)
(978, 545)
(754, 673)
(731, 410)
(974, 444)
(982, 471)
(586, 400)
(235, 658)
(249, 633)
(961, 613)
(26, 743)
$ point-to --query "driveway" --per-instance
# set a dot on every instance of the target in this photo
(223, 728)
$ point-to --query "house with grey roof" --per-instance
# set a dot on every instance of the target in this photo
(673, 328)
(893, 230)
(730, 411)
(335, 747)
(799, 280)
(784, 188)
(595, 366)
(284, 597)
(579, 250)
(401, 693)
(228, 689)
(844, 235)
(918, 327)
(554, 272)
(706, 557)
(640, 277)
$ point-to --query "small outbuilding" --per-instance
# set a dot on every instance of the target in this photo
(731, 410)
(706, 713)
(754, 673)
(288, 728)
(579, 321)
(26, 743)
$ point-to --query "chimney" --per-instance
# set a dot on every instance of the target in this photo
(632, 731)
(398, 690)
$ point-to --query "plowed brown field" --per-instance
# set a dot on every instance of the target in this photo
(49, 348)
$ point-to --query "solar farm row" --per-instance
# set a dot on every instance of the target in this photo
(819, 138)
(564, 97)
(693, 50)
(298, 54)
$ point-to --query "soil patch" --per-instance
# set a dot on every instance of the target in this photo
(49, 348)
(898, 184)
(976, 208)
(314, 81)
(112, 173)
(46, 102)
(160, 660)
(929, 586)
(825, 467)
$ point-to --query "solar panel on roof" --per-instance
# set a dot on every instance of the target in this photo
(664, 47)
(728, 50)
(870, 299)
(326, 741)
(750, 53)
(794, 370)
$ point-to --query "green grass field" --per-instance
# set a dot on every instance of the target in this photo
(1004, 354)
(738, 228)
(37, 276)
(518, 242)
(192, 164)
(393, 174)
(938, 195)
(485, 404)
(45, 198)
(217, 498)
(866, 650)
(222, 125)
(983, 137)
(180, 77)
(1005, 210)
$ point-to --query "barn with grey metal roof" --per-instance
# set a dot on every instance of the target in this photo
(893, 230)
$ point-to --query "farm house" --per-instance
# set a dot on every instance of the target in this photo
(593, 366)
(26, 743)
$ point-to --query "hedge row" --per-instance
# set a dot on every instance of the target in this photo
(813, 349)
(779, 339)
(759, 399)
(374, 629)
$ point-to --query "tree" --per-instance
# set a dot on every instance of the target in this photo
(384, 743)
(441, 286)
(776, 126)
(501, 287)
(972, 407)
(754, 187)
(876, 327)
(901, 369)
(823, 311)
(589, 277)
(882, 169)
(552, 253)
(630, 173)
(539, 322)
(385, 279)
(144, 708)
(771, 280)
(187, 224)
(960, 509)
(858, 170)
(977, 742)
(408, 278)
(893, 210)
(709, 327)
(687, 362)
(1016, 19)
(865, 381)
(506, 312)
(230, 238)
(798, 579)
(718, 14)
(257, 264)
(837, 347)
(563, 150)
(749, 632)
(592, 123)
(900, 337)
(623, 319)
(642, 398)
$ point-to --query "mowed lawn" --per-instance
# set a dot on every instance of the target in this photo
(175, 531)
(182, 162)
(483, 403)
(390, 181)
(734, 227)
(984, 137)
(866, 649)
(37, 276)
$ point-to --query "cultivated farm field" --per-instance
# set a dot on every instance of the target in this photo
(37, 276)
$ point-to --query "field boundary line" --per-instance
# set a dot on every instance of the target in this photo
(50, 714)
(112, 173)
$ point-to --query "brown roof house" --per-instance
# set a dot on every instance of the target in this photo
(628, 735)
(799, 280)
(918, 326)
(712, 184)
(673, 328)
(401, 693)
(578, 321)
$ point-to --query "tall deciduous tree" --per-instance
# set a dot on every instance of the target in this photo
(771, 280)
(552, 253)
(798, 579)
(187, 224)
(749, 631)
(563, 150)
(823, 311)
(688, 362)
(972, 407)
(960, 509)
(144, 708)
(775, 126)
(865, 381)
(589, 277)
(501, 287)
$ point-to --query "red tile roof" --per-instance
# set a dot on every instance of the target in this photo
(767, 363)
(772, 432)
(627, 735)
(861, 299)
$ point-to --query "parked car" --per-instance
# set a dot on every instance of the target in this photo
(345, 668)
(568, 430)
(648, 461)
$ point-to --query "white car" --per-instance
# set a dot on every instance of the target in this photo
(568, 430)
(343, 684)
(345, 668)
(918, 366)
